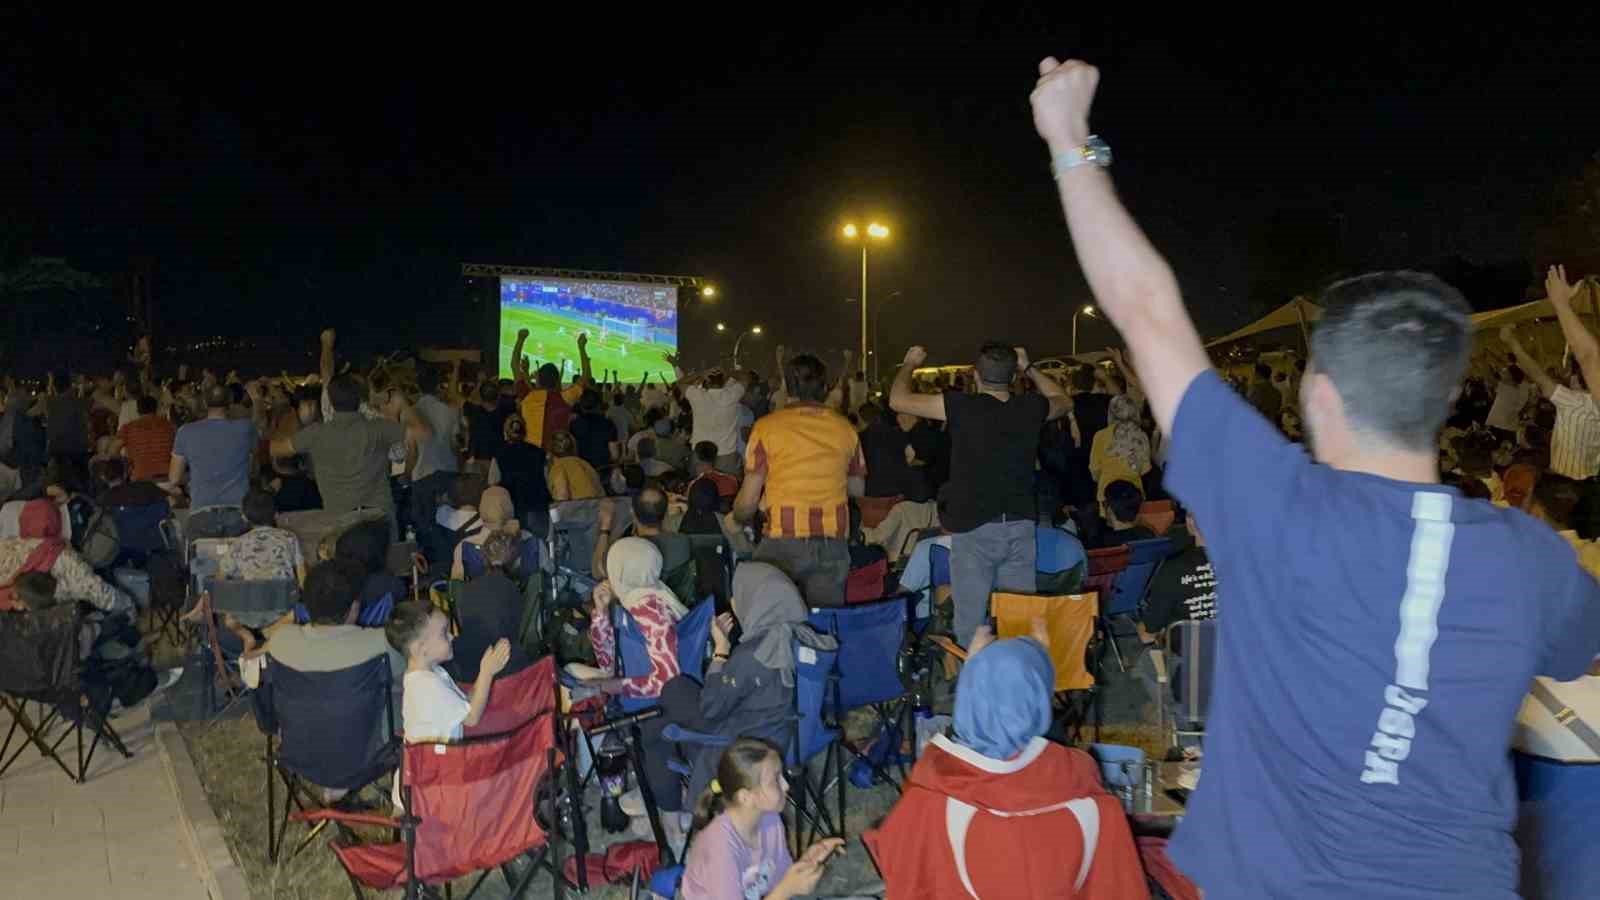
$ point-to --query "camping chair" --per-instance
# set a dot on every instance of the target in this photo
(574, 528)
(1130, 587)
(40, 650)
(1193, 645)
(473, 805)
(868, 674)
(253, 603)
(329, 729)
(866, 584)
(1071, 621)
(140, 531)
(875, 509)
(1157, 515)
(809, 738)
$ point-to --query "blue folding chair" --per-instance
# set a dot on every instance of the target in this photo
(330, 729)
(812, 735)
(139, 531)
(939, 566)
(633, 657)
(1131, 585)
(872, 639)
(1059, 561)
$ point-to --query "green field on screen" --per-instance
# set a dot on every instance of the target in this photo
(558, 336)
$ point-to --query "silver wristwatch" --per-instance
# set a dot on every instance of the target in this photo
(1093, 152)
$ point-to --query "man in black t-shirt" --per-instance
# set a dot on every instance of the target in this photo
(1184, 588)
(989, 502)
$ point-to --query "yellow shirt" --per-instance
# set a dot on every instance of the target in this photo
(1106, 467)
(541, 418)
(807, 453)
(573, 479)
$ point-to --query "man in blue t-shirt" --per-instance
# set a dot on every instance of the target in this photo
(1374, 647)
(217, 452)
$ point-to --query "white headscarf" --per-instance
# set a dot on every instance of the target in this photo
(633, 566)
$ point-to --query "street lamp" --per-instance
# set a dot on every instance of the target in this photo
(721, 327)
(754, 329)
(1086, 310)
(877, 232)
(708, 292)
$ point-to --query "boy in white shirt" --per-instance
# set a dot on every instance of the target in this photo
(434, 708)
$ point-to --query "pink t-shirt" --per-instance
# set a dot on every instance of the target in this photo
(722, 867)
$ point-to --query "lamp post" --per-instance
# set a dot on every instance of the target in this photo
(873, 231)
(754, 329)
(1089, 310)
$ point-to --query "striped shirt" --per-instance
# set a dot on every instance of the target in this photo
(807, 453)
(147, 442)
(1575, 443)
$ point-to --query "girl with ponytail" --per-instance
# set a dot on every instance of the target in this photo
(739, 850)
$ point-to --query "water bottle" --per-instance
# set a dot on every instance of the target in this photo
(611, 763)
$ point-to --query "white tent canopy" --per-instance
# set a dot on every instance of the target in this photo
(1583, 303)
(1289, 315)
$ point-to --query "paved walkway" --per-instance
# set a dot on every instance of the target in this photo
(117, 836)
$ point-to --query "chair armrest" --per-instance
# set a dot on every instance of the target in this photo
(348, 818)
(680, 735)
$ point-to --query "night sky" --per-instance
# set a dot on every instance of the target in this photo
(286, 173)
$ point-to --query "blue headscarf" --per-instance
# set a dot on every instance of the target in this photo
(1003, 697)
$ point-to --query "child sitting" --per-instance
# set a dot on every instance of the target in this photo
(433, 707)
(739, 851)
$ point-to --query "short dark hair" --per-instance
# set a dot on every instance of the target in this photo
(808, 379)
(549, 377)
(428, 379)
(650, 506)
(705, 451)
(344, 393)
(37, 589)
(331, 588)
(308, 394)
(148, 405)
(259, 507)
(1083, 379)
(113, 469)
(1395, 346)
(647, 449)
(997, 363)
(406, 624)
(1123, 499)
(1263, 370)
(1558, 496)
(589, 402)
(869, 413)
(237, 394)
(366, 545)
(1515, 374)
(488, 392)
(218, 397)
(467, 489)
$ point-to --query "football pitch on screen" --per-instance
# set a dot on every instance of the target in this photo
(553, 337)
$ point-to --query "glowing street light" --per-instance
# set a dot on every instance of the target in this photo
(708, 292)
(721, 327)
(755, 330)
(876, 232)
(1087, 310)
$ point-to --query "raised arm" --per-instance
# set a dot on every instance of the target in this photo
(519, 366)
(583, 359)
(1060, 403)
(1584, 347)
(1129, 278)
(902, 399)
(325, 359)
(1547, 385)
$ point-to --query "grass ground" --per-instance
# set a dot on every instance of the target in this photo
(553, 337)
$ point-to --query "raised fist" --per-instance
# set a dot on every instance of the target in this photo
(1061, 101)
(522, 334)
(328, 336)
(583, 339)
(916, 356)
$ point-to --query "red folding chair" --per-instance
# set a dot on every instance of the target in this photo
(471, 805)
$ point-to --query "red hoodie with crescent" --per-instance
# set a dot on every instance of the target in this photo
(1039, 825)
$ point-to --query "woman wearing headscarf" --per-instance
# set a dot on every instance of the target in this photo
(1121, 450)
(42, 548)
(1020, 816)
(499, 519)
(749, 689)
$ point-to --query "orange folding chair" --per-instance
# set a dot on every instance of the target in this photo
(1157, 515)
(1072, 623)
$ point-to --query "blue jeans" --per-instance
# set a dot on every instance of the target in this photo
(996, 556)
